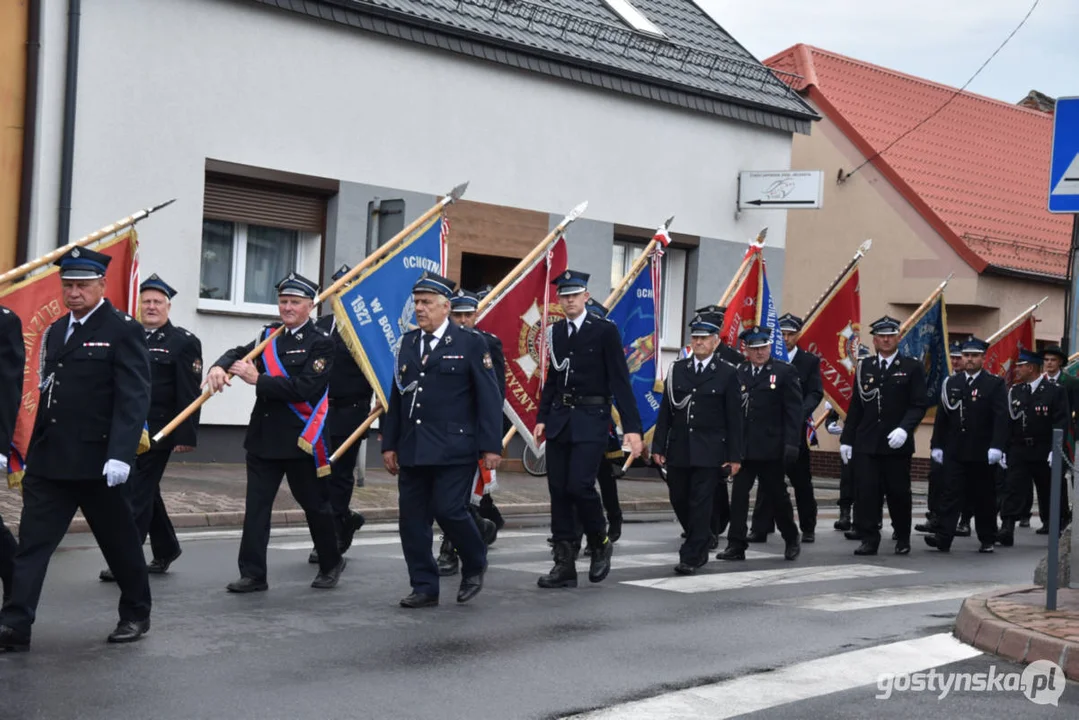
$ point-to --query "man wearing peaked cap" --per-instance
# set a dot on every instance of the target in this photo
(291, 379)
(445, 416)
(889, 402)
(773, 422)
(175, 376)
(800, 474)
(725, 352)
(12, 360)
(699, 438)
(587, 371)
(350, 401)
(95, 396)
(596, 308)
(970, 433)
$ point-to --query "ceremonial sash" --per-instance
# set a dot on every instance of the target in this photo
(311, 440)
(16, 468)
(144, 439)
(484, 482)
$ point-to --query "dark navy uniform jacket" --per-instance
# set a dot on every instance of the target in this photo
(596, 370)
(707, 431)
(773, 415)
(498, 359)
(732, 356)
(12, 361)
(175, 379)
(978, 422)
(808, 366)
(307, 356)
(95, 396)
(447, 411)
(901, 402)
(350, 393)
(1038, 413)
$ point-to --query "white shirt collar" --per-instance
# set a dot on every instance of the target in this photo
(791, 353)
(579, 321)
(887, 359)
(441, 330)
(71, 316)
(972, 377)
(1054, 378)
(1036, 382)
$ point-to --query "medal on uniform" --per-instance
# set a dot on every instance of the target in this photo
(772, 381)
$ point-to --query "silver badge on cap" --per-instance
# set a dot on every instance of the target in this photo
(75, 252)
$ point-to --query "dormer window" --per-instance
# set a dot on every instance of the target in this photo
(634, 17)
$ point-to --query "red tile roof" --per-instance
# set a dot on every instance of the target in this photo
(978, 171)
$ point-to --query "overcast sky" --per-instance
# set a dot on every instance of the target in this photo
(941, 40)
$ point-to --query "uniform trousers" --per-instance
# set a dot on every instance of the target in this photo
(341, 482)
(1026, 463)
(721, 508)
(48, 507)
(964, 485)
(608, 488)
(801, 478)
(263, 481)
(880, 475)
(770, 475)
(571, 480)
(8, 548)
(143, 491)
(431, 493)
(489, 511)
(846, 486)
(692, 490)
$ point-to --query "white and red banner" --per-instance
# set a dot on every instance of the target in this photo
(742, 306)
(1002, 355)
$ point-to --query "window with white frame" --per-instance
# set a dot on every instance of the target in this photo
(625, 253)
(242, 264)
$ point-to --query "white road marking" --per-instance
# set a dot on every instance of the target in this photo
(620, 562)
(761, 691)
(392, 540)
(884, 597)
(760, 578)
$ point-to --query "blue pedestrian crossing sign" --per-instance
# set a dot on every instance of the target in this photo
(1064, 167)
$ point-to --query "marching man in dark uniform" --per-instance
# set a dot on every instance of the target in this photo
(610, 469)
(95, 396)
(350, 402)
(291, 378)
(970, 433)
(801, 477)
(445, 416)
(889, 401)
(1036, 407)
(772, 406)
(1054, 360)
(587, 369)
(699, 436)
(463, 313)
(936, 470)
(175, 376)
(12, 359)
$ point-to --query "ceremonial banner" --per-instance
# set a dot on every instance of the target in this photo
(375, 311)
(519, 317)
(38, 302)
(768, 317)
(831, 334)
(742, 305)
(1002, 355)
(926, 340)
(635, 314)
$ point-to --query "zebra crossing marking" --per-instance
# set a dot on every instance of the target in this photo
(884, 597)
(622, 562)
(713, 582)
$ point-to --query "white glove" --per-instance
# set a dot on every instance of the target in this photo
(116, 472)
(3, 463)
(1003, 462)
(827, 406)
(834, 428)
(995, 456)
(897, 438)
(845, 451)
(938, 455)
(1050, 459)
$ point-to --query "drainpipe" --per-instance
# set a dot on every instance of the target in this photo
(29, 136)
(67, 151)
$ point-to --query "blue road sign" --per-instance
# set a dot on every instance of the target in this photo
(1064, 167)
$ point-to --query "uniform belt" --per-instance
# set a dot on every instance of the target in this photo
(1031, 442)
(574, 400)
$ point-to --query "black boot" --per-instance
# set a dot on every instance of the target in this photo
(564, 572)
(447, 558)
(614, 528)
(602, 549)
(843, 523)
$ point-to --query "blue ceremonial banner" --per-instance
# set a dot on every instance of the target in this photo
(770, 319)
(376, 310)
(927, 342)
(635, 315)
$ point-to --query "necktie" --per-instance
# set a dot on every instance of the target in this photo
(429, 342)
(71, 329)
(883, 364)
(755, 371)
(700, 368)
(572, 329)
(970, 380)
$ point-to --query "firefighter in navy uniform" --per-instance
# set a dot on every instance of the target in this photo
(12, 359)
(800, 474)
(1036, 407)
(290, 376)
(1054, 361)
(610, 469)
(587, 369)
(889, 402)
(445, 415)
(834, 425)
(699, 436)
(970, 432)
(463, 313)
(935, 479)
(350, 402)
(95, 396)
(175, 376)
(772, 403)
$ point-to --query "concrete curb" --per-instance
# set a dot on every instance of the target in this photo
(977, 625)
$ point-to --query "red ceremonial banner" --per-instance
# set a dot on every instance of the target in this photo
(519, 317)
(1002, 355)
(742, 310)
(832, 335)
(38, 303)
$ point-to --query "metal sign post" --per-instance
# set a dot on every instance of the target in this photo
(1053, 563)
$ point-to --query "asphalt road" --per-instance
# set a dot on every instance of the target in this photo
(517, 651)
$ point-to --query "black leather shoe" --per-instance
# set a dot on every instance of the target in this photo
(1043, 530)
(793, 550)
(312, 559)
(601, 560)
(986, 548)
(685, 569)
(852, 535)
(713, 543)
(327, 580)
(489, 531)
(843, 523)
(1025, 522)
(160, 566)
(470, 586)
(731, 553)
(962, 530)
(809, 537)
(419, 600)
(902, 547)
(614, 528)
(447, 561)
(756, 537)
(106, 576)
(128, 631)
(935, 541)
(12, 640)
(926, 527)
(247, 585)
(866, 548)
(352, 526)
